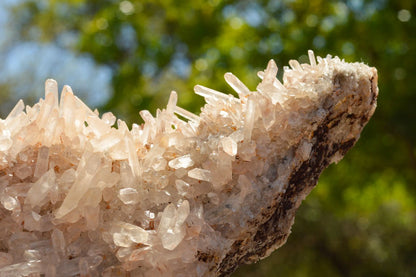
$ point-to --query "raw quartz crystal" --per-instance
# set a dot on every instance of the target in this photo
(173, 197)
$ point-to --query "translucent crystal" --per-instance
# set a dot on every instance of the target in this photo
(18, 109)
(270, 72)
(210, 93)
(109, 118)
(51, 87)
(92, 217)
(200, 174)
(250, 117)
(181, 194)
(236, 84)
(32, 255)
(181, 162)
(58, 241)
(171, 229)
(159, 164)
(188, 115)
(9, 203)
(21, 269)
(128, 196)
(23, 171)
(295, 65)
(122, 239)
(224, 172)
(5, 140)
(133, 160)
(311, 58)
(173, 99)
(42, 162)
(136, 233)
(229, 146)
(182, 187)
(245, 186)
(40, 189)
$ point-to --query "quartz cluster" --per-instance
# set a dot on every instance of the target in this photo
(180, 195)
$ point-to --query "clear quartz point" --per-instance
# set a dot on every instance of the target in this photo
(181, 194)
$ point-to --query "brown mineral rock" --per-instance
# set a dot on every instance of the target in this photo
(173, 197)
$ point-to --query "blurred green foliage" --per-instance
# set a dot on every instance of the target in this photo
(361, 218)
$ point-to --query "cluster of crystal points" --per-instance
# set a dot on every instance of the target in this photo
(169, 197)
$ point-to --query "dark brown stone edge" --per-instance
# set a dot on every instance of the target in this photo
(283, 208)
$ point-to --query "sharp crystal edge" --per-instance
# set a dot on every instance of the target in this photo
(175, 196)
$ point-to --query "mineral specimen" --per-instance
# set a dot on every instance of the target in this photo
(176, 196)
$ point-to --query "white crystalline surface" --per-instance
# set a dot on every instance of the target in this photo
(82, 197)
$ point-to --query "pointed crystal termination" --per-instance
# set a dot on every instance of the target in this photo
(311, 56)
(51, 87)
(186, 114)
(271, 71)
(173, 99)
(236, 84)
(295, 65)
(181, 162)
(173, 197)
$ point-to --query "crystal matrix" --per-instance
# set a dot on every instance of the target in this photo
(173, 197)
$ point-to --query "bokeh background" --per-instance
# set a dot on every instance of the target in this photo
(125, 56)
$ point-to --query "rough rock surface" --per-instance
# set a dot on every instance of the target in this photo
(173, 197)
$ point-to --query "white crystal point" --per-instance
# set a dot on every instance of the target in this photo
(295, 65)
(171, 229)
(173, 100)
(136, 234)
(51, 87)
(200, 174)
(18, 109)
(9, 203)
(311, 56)
(109, 118)
(186, 114)
(229, 146)
(184, 161)
(236, 84)
(129, 196)
(270, 72)
(40, 189)
(210, 93)
(182, 195)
